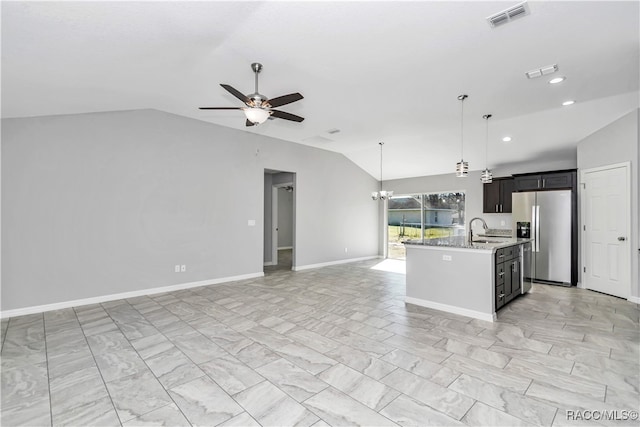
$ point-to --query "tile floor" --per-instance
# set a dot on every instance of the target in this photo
(330, 346)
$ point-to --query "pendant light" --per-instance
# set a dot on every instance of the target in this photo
(462, 167)
(381, 195)
(487, 176)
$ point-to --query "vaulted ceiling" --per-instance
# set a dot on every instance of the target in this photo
(377, 71)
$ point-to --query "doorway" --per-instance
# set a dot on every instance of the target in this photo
(279, 225)
(606, 252)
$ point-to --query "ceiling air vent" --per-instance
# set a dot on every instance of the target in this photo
(507, 15)
(542, 71)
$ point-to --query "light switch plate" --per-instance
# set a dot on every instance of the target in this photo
(251, 223)
(446, 257)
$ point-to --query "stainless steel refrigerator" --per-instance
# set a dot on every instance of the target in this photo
(545, 216)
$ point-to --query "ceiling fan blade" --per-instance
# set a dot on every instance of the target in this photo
(235, 92)
(220, 108)
(249, 123)
(286, 116)
(285, 99)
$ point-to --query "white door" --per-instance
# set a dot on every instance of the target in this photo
(606, 205)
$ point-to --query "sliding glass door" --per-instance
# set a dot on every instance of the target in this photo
(423, 216)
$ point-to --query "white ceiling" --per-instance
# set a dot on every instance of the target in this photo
(378, 71)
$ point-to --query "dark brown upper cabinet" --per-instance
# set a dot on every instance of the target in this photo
(497, 195)
(545, 181)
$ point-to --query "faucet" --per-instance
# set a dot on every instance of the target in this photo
(484, 225)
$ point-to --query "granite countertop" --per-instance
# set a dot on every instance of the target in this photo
(462, 242)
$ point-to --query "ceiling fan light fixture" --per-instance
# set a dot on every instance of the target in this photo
(257, 115)
(259, 108)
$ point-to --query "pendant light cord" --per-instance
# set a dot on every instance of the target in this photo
(486, 145)
(462, 98)
(381, 144)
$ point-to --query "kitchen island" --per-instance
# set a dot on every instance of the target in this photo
(470, 279)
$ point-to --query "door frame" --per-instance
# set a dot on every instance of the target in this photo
(583, 210)
(274, 222)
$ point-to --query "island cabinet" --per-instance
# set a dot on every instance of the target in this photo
(496, 197)
(473, 279)
(507, 278)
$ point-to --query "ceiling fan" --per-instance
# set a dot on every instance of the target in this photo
(258, 107)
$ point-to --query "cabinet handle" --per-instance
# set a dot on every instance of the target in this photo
(501, 274)
(542, 182)
(500, 208)
(500, 256)
(538, 183)
(496, 208)
(501, 296)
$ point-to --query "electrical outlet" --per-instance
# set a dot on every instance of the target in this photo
(251, 222)
(177, 268)
(503, 223)
(446, 257)
(183, 268)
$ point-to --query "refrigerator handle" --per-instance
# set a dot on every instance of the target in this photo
(533, 228)
(537, 228)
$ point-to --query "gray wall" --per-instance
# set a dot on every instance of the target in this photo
(267, 232)
(285, 218)
(105, 203)
(617, 143)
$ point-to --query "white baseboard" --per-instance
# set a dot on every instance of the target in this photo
(635, 300)
(282, 248)
(451, 309)
(326, 264)
(132, 294)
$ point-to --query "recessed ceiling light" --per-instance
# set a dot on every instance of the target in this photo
(507, 139)
(557, 80)
(565, 103)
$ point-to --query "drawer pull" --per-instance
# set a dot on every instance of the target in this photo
(501, 274)
(501, 296)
